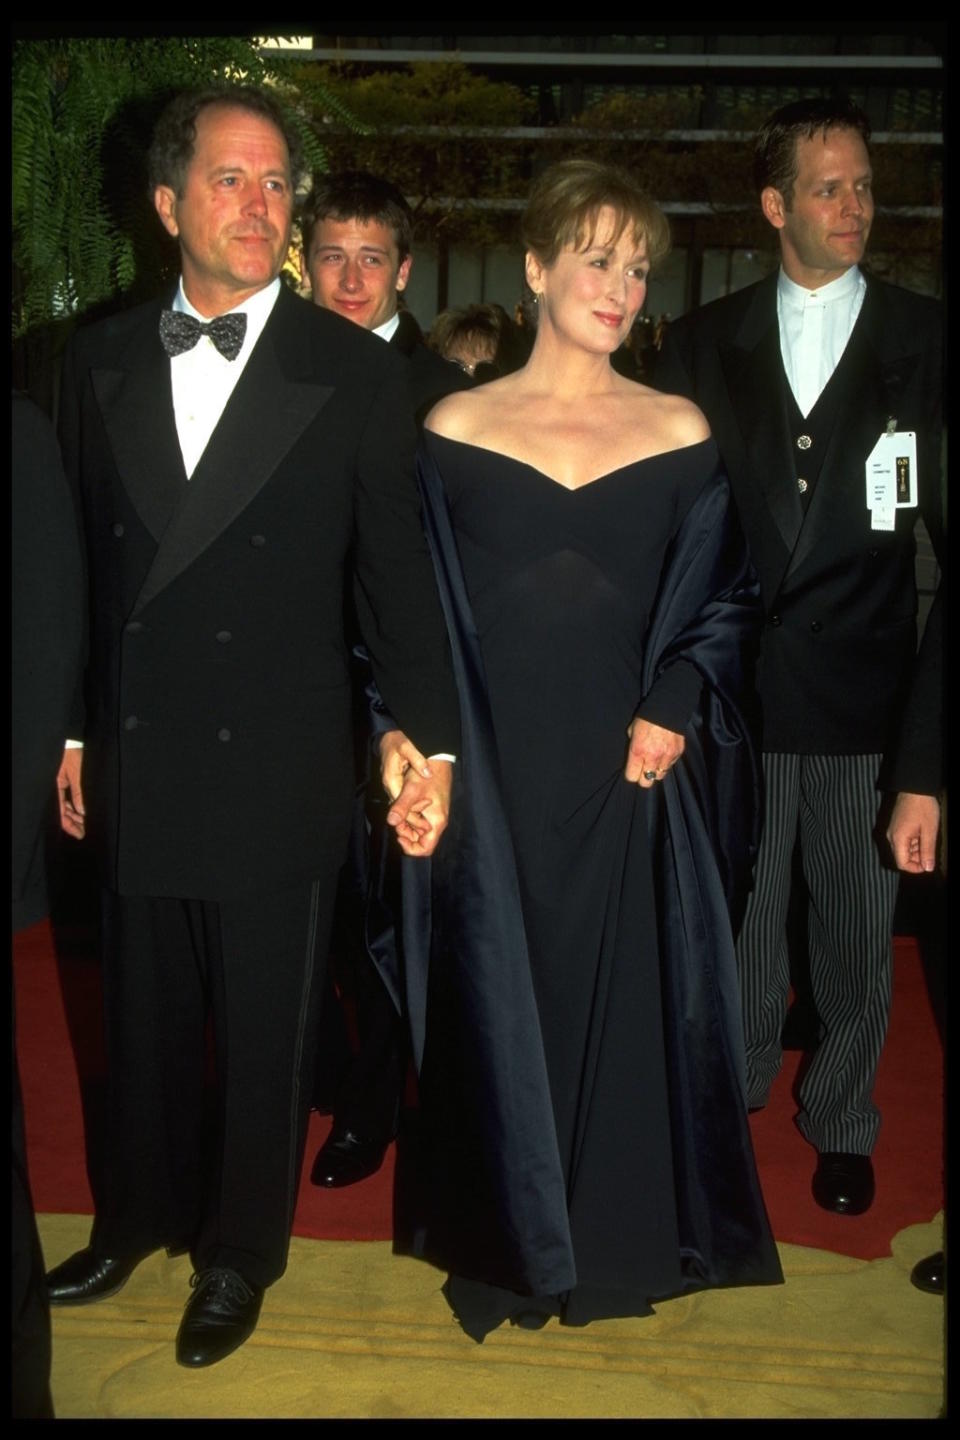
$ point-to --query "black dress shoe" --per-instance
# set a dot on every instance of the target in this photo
(221, 1313)
(85, 1277)
(345, 1158)
(843, 1183)
(930, 1274)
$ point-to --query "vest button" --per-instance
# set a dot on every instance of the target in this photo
(804, 442)
(223, 734)
(775, 620)
(223, 636)
(117, 530)
(257, 540)
(802, 485)
(815, 626)
(134, 627)
(131, 722)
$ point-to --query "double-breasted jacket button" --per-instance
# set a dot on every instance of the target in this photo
(802, 485)
(223, 734)
(131, 722)
(775, 620)
(804, 442)
(815, 626)
(134, 627)
(117, 530)
(223, 637)
(258, 540)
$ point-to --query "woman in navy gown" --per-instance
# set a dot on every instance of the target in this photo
(584, 1144)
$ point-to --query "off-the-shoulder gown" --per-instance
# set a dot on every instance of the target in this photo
(561, 584)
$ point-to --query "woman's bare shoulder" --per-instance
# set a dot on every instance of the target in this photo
(680, 418)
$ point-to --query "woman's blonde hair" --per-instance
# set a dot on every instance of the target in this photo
(566, 201)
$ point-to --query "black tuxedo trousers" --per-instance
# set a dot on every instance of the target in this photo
(215, 1167)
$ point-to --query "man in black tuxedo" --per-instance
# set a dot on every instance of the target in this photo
(800, 376)
(357, 233)
(237, 456)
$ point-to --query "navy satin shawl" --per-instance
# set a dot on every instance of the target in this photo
(491, 1194)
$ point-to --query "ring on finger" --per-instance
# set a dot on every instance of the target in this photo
(649, 774)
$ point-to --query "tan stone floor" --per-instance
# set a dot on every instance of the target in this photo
(353, 1331)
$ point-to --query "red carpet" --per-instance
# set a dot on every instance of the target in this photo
(908, 1157)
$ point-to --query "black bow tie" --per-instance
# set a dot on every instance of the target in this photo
(180, 332)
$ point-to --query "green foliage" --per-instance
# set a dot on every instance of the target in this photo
(443, 172)
(428, 94)
(673, 109)
(83, 110)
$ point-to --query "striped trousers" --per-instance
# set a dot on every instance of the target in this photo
(834, 801)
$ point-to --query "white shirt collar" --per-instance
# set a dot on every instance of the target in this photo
(843, 288)
(389, 328)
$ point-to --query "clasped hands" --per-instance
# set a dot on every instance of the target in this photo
(420, 791)
(652, 752)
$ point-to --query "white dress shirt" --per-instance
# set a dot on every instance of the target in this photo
(815, 326)
(203, 380)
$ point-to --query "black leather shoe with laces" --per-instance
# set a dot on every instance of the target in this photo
(221, 1314)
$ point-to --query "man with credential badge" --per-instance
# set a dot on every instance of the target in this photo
(822, 387)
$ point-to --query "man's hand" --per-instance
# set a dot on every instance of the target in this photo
(397, 756)
(70, 795)
(420, 811)
(652, 752)
(912, 832)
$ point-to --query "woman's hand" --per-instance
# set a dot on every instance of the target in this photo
(652, 752)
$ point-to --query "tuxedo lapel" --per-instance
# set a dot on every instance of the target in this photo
(753, 371)
(136, 404)
(274, 402)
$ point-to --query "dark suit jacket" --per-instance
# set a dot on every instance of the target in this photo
(48, 604)
(430, 377)
(218, 719)
(917, 762)
(840, 598)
